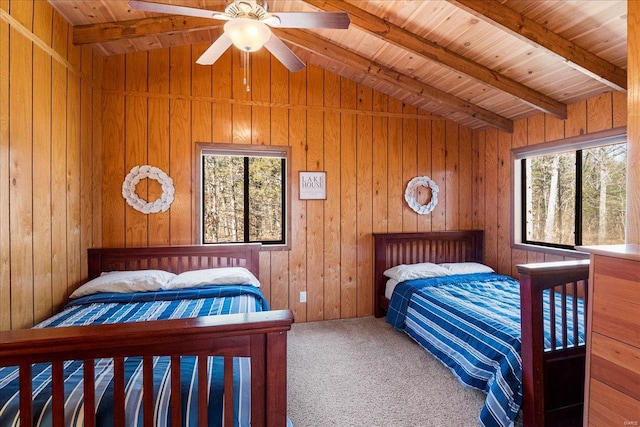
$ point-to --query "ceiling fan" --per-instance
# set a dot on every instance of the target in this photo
(248, 27)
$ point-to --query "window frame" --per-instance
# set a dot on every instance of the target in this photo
(242, 150)
(573, 144)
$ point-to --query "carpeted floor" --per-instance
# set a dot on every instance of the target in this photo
(361, 372)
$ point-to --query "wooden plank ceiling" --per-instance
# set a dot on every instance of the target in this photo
(481, 63)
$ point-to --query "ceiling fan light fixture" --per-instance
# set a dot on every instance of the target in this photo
(247, 34)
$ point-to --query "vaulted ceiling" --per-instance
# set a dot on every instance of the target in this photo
(481, 63)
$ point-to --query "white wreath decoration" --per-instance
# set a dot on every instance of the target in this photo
(135, 176)
(409, 194)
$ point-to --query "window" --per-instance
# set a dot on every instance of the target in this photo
(243, 195)
(571, 192)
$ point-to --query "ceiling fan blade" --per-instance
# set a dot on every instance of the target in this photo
(337, 20)
(215, 51)
(175, 10)
(283, 53)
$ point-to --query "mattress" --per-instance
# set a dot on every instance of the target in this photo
(389, 287)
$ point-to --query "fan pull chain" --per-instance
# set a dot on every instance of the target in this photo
(246, 66)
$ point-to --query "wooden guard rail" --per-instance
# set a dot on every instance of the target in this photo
(261, 336)
(553, 376)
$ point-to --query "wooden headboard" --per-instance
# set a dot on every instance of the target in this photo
(409, 248)
(175, 259)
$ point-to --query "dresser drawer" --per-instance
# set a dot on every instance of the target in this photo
(608, 407)
(616, 299)
(612, 386)
(616, 364)
(626, 269)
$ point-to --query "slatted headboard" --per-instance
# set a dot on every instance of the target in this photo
(409, 248)
(175, 259)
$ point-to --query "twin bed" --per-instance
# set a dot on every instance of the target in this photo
(521, 342)
(171, 336)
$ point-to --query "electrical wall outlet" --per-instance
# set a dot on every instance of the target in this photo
(303, 296)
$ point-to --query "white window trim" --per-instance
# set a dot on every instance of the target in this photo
(580, 142)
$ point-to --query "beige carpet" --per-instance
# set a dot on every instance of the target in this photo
(361, 372)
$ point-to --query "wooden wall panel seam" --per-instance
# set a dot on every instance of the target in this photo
(5, 252)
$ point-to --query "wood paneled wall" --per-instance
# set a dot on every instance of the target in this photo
(50, 130)
(73, 124)
(492, 170)
(158, 104)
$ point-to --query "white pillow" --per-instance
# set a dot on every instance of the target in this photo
(422, 270)
(125, 281)
(213, 276)
(466, 267)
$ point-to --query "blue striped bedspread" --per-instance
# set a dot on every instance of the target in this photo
(471, 323)
(134, 307)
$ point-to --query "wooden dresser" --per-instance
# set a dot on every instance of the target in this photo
(612, 381)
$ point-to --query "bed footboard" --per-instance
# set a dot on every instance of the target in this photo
(261, 336)
(553, 376)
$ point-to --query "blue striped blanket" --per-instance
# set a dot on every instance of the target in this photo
(134, 307)
(471, 323)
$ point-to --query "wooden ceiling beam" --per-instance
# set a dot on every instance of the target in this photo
(538, 35)
(314, 43)
(119, 30)
(402, 38)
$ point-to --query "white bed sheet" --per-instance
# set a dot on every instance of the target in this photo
(391, 285)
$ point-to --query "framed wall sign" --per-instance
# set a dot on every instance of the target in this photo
(313, 185)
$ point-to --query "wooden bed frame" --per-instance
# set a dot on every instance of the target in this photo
(553, 378)
(261, 336)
